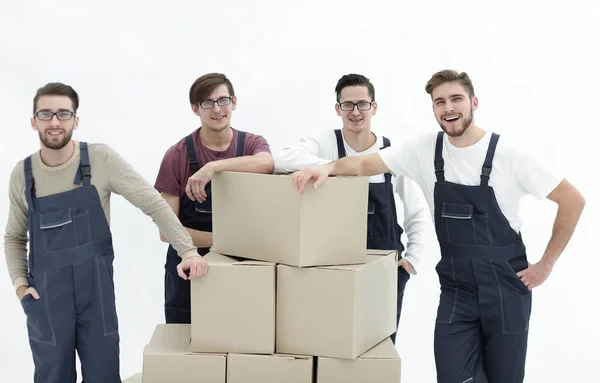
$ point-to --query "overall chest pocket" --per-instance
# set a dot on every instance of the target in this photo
(64, 229)
(465, 226)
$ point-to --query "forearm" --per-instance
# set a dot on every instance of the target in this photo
(566, 220)
(291, 160)
(247, 164)
(201, 239)
(16, 261)
(370, 165)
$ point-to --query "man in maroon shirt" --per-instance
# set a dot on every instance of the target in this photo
(187, 168)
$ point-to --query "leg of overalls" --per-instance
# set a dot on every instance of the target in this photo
(97, 324)
(403, 277)
(506, 309)
(177, 292)
(458, 340)
(51, 326)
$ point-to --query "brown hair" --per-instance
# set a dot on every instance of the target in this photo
(205, 85)
(449, 75)
(57, 89)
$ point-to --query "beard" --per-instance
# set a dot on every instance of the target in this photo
(465, 125)
(51, 143)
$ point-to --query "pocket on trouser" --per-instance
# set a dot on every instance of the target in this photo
(515, 299)
(449, 291)
(39, 323)
(106, 295)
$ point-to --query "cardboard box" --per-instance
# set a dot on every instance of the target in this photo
(137, 378)
(382, 362)
(233, 307)
(166, 359)
(337, 311)
(264, 217)
(277, 368)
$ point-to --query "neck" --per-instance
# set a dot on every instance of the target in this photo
(216, 140)
(470, 136)
(52, 157)
(359, 141)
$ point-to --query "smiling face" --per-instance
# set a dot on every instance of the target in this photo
(54, 120)
(356, 108)
(216, 109)
(453, 108)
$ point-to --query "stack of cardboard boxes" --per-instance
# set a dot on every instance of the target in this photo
(292, 294)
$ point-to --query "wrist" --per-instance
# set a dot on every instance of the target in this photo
(21, 290)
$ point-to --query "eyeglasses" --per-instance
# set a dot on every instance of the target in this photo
(62, 115)
(361, 105)
(221, 101)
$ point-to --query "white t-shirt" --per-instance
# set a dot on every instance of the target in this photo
(514, 175)
(321, 148)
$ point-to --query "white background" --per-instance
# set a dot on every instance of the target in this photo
(535, 69)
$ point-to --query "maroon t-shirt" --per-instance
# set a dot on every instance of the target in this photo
(175, 166)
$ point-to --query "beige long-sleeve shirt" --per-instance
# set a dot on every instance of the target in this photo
(110, 174)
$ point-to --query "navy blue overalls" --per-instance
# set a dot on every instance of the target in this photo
(194, 215)
(383, 230)
(71, 267)
(483, 315)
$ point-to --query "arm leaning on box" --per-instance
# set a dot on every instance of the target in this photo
(303, 155)
(416, 217)
(200, 239)
(125, 181)
(259, 161)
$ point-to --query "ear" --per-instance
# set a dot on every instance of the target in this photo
(374, 107)
(337, 110)
(475, 103)
(33, 125)
(76, 123)
(233, 102)
(195, 109)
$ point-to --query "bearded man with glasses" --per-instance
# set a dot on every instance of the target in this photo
(60, 205)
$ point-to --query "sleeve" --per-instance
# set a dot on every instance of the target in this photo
(531, 176)
(168, 179)
(256, 144)
(15, 237)
(303, 155)
(402, 158)
(127, 182)
(416, 218)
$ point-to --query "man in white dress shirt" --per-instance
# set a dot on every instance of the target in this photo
(356, 105)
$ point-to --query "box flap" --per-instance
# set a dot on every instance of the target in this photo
(169, 339)
(381, 252)
(217, 258)
(384, 350)
(370, 258)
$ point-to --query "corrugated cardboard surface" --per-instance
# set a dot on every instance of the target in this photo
(244, 368)
(382, 362)
(336, 311)
(137, 378)
(264, 217)
(166, 358)
(233, 307)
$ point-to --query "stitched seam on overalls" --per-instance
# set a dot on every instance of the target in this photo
(99, 287)
(489, 232)
(501, 297)
(469, 380)
(53, 341)
(455, 291)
